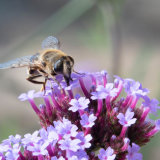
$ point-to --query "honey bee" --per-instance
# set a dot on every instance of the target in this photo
(49, 62)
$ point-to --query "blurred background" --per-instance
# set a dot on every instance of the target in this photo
(120, 36)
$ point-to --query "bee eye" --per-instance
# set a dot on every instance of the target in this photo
(58, 66)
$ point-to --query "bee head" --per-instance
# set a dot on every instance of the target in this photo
(65, 66)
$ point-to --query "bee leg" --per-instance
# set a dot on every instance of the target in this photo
(78, 72)
(44, 85)
(31, 79)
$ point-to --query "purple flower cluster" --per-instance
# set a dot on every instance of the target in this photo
(58, 141)
(89, 120)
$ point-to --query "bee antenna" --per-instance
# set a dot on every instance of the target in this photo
(78, 72)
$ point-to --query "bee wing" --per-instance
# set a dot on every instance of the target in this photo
(20, 62)
(51, 42)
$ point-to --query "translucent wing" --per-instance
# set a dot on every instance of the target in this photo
(20, 62)
(51, 42)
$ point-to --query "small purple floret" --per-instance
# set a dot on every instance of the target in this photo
(107, 154)
(88, 121)
(31, 138)
(65, 128)
(157, 123)
(85, 140)
(127, 119)
(80, 104)
(133, 152)
(69, 144)
(26, 96)
(13, 153)
(55, 158)
(153, 104)
(38, 149)
(135, 88)
(103, 92)
(79, 155)
(12, 140)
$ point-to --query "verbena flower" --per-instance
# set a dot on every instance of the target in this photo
(153, 104)
(89, 120)
(133, 152)
(106, 154)
(127, 119)
(80, 104)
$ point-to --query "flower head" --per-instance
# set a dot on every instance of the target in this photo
(86, 117)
